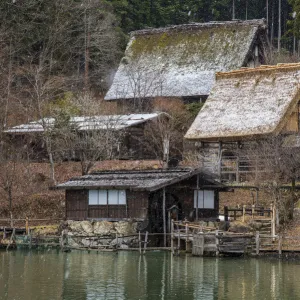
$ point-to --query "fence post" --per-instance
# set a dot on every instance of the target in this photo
(62, 240)
(257, 242)
(201, 244)
(273, 222)
(217, 243)
(26, 225)
(172, 236)
(30, 238)
(146, 242)
(186, 236)
(253, 211)
(140, 243)
(280, 245)
(226, 213)
(178, 241)
(244, 212)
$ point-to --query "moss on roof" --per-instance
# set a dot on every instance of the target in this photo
(248, 102)
(182, 60)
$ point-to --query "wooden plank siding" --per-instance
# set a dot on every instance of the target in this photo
(76, 204)
(77, 207)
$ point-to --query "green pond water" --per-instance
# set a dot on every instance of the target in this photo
(157, 275)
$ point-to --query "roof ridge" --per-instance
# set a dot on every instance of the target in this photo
(254, 22)
(262, 68)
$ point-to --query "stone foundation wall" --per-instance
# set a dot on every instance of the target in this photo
(102, 234)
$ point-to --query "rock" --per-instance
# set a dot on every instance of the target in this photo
(211, 224)
(75, 227)
(239, 228)
(86, 242)
(72, 243)
(256, 225)
(223, 225)
(87, 227)
(125, 228)
(104, 228)
(123, 246)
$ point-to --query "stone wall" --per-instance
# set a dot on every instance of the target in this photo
(102, 234)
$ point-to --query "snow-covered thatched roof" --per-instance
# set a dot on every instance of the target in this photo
(182, 60)
(113, 122)
(248, 102)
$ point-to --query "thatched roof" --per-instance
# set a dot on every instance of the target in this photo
(144, 180)
(112, 122)
(248, 102)
(182, 60)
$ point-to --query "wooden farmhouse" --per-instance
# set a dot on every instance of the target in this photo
(181, 61)
(245, 108)
(144, 195)
(126, 132)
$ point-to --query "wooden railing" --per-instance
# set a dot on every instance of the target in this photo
(26, 223)
(252, 211)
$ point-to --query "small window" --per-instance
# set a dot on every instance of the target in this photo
(113, 198)
(107, 197)
(93, 197)
(102, 197)
(122, 197)
(206, 199)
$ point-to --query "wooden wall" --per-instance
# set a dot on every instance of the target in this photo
(77, 207)
(76, 204)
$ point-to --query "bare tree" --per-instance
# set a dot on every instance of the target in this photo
(277, 163)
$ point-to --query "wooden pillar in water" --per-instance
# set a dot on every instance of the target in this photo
(201, 244)
(257, 242)
(140, 243)
(172, 236)
(146, 242)
(217, 243)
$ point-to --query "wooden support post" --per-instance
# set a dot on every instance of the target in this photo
(256, 197)
(27, 225)
(273, 222)
(146, 242)
(280, 245)
(30, 238)
(12, 238)
(220, 160)
(186, 236)
(172, 236)
(257, 242)
(178, 241)
(217, 243)
(253, 211)
(140, 243)
(201, 244)
(244, 212)
(62, 240)
(164, 217)
(117, 241)
(4, 233)
(226, 213)
(234, 215)
(237, 169)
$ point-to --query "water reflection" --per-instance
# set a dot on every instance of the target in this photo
(129, 276)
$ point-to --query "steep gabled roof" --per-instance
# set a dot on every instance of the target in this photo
(248, 102)
(113, 122)
(182, 60)
(144, 180)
